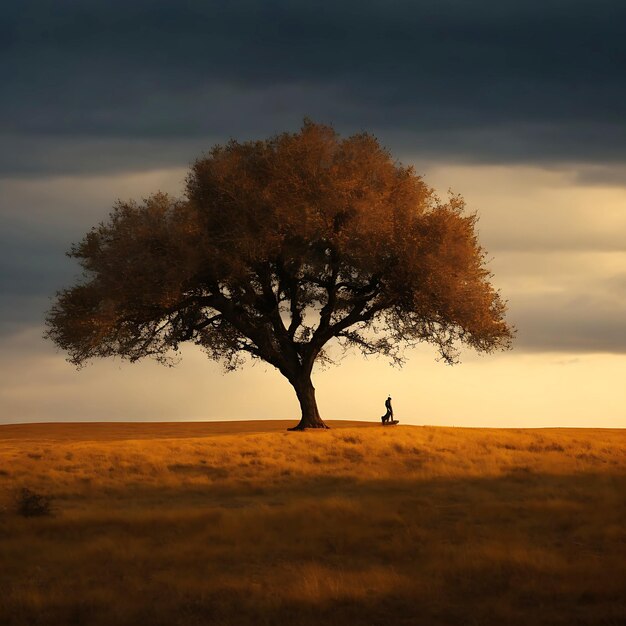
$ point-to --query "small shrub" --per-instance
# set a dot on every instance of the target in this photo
(31, 504)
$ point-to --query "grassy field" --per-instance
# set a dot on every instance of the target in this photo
(245, 523)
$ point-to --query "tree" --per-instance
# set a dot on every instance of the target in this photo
(277, 248)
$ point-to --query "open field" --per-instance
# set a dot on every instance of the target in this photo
(245, 523)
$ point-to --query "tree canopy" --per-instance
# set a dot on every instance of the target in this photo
(276, 248)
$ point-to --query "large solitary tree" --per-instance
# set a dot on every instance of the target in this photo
(277, 248)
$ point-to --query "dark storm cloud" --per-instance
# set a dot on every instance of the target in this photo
(481, 81)
(573, 322)
(611, 175)
(32, 267)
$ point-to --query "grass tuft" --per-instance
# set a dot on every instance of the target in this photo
(31, 504)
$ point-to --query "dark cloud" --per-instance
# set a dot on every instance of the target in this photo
(37, 156)
(605, 175)
(481, 81)
(573, 320)
(584, 330)
(32, 268)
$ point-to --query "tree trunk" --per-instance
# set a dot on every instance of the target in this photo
(306, 395)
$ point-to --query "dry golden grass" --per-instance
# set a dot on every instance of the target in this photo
(245, 523)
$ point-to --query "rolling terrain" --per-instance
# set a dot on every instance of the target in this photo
(246, 523)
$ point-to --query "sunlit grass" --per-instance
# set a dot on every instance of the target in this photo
(215, 524)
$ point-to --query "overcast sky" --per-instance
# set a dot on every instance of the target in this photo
(518, 106)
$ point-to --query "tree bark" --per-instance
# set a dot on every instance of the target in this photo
(306, 396)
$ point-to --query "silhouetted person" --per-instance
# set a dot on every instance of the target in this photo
(388, 416)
